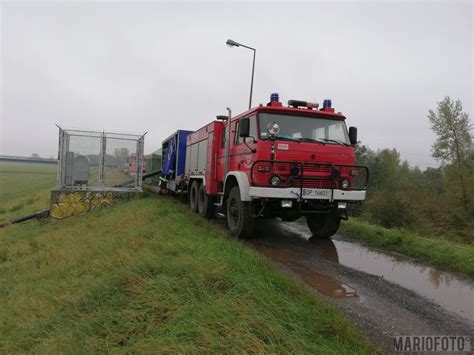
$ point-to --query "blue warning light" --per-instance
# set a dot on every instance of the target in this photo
(274, 97)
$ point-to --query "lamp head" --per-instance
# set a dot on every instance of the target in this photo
(232, 43)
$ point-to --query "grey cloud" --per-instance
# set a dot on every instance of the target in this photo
(157, 67)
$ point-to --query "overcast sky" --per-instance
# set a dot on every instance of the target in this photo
(159, 66)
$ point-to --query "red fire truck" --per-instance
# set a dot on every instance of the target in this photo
(271, 161)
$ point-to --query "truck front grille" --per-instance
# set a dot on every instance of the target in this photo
(312, 184)
(314, 168)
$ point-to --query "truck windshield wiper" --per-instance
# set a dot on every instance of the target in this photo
(318, 140)
(335, 141)
(287, 139)
(323, 141)
(312, 140)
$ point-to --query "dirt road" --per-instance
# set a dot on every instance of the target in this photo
(383, 294)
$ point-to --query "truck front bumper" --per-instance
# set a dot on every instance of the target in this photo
(307, 194)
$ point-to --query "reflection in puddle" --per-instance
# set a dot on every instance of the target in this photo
(328, 249)
(325, 284)
(445, 289)
(279, 255)
(453, 293)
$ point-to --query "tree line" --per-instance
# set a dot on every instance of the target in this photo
(432, 202)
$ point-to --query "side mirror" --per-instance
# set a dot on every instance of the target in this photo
(244, 127)
(353, 135)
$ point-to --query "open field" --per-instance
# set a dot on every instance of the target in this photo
(149, 275)
(442, 253)
(24, 188)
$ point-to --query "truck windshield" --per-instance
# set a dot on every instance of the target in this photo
(303, 128)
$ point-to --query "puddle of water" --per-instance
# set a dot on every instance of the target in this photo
(454, 294)
(325, 284)
(447, 290)
(279, 255)
(328, 249)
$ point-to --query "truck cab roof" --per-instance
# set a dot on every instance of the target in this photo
(277, 107)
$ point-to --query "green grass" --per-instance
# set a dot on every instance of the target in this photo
(24, 188)
(441, 253)
(148, 276)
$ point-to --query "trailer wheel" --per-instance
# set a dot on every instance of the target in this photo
(193, 196)
(205, 202)
(239, 219)
(323, 225)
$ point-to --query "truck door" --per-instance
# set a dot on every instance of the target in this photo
(242, 156)
(221, 153)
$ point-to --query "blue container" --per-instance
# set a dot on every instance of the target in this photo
(174, 154)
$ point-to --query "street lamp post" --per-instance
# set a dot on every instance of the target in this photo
(232, 43)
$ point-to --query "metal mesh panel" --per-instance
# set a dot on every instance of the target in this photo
(120, 161)
(98, 160)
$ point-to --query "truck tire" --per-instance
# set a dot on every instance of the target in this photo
(323, 225)
(239, 220)
(206, 205)
(193, 196)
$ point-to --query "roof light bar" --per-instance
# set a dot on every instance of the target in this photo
(299, 103)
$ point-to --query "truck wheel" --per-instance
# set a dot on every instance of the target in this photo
(239, 220)
(206, 205)
(323, 225)
(193, 196)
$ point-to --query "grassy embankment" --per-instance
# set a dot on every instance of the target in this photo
(441, 253)
(26, 188)
(150, 275)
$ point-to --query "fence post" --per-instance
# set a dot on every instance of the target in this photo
(60, 159)
(103, 149)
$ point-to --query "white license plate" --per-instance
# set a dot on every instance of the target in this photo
(316, 193)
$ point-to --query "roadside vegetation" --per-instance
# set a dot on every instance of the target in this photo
(441, 253)
(429, 214)
(436, 202)
(24, 188)
(150, 275)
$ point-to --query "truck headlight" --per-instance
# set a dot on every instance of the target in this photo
(286, 203)
(345, 184)
(275, 180)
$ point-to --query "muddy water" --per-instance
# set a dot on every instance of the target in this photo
(445, 289)
(325, 284)
(454, 294)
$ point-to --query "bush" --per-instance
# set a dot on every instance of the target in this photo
(389, 210)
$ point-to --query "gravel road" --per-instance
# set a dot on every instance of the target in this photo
(397, 301)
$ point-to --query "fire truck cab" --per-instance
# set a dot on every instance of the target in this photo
(275, 161)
